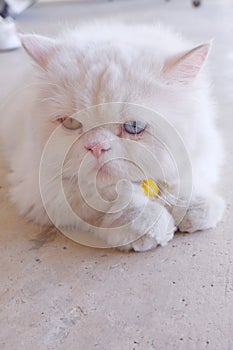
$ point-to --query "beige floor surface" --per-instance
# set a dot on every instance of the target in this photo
(55, 294)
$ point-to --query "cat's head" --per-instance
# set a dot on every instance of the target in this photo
(116, 78)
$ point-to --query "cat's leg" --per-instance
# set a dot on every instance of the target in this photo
(147, 227)
(204, 212)
(139, 225)
(159, 234)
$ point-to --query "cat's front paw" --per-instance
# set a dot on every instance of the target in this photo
(146, 242)
(202, 214)
(160, 234)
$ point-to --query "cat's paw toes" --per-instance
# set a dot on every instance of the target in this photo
(160, 234)
(142, 244)
(203, 214)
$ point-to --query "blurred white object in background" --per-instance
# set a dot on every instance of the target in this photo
(9, 39)
(18, 6)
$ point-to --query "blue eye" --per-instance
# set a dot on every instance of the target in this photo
(134, 127)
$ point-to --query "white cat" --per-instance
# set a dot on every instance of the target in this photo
(118, 69)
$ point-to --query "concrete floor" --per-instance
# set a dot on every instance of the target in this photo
(55, 294)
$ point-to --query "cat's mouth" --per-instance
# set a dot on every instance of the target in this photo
(108, 169)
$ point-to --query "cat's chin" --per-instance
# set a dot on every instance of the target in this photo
(107, 174)
(106, 169)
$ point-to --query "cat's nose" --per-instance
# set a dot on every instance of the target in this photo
(97, 149)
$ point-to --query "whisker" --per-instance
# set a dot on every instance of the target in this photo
(170, 198)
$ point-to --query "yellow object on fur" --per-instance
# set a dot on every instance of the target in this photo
(150, 188)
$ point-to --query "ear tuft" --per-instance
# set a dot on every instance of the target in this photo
(38, 47)
(184, 68)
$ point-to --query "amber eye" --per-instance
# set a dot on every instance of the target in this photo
(70, 123)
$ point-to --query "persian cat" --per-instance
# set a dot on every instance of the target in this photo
(97, 105)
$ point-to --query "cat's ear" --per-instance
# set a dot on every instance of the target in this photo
(40, 48)
(184, 68)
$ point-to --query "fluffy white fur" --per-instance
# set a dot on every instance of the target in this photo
(149, 66)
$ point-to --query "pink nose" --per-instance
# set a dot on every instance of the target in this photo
(96, 149)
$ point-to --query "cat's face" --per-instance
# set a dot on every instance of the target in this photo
(110, 137)
(112, 141)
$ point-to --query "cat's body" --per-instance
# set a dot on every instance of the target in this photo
(102, 64)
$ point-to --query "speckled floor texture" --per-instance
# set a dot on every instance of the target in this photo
(56, 294)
